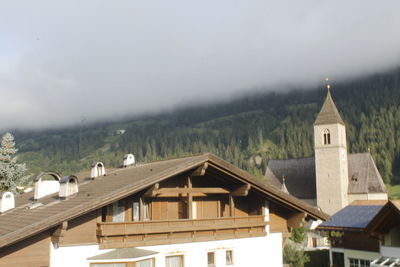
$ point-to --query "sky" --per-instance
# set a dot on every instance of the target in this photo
(65, 61)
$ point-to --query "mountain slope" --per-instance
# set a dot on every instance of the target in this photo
(247, 131)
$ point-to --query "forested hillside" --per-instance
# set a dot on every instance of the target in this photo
(246, 132)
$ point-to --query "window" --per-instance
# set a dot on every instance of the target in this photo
(119, 212)
(359, 262)
(174, 261)
(338, 259)
(146, 211)
(327, 137)
(108, 265)
(135, 211)
(145, 263)
(142, 263)
(211, 259)
(229, 257)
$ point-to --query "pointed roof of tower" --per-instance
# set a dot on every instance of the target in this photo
(329, 114)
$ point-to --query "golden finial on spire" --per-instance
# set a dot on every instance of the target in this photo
(328, 86)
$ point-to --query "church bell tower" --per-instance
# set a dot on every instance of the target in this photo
(331, 164)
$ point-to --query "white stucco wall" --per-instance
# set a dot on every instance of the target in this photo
(390, 251)
(255, 252)
(355, 254)
(371, 196)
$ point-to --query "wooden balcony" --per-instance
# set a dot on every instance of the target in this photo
(116, 235)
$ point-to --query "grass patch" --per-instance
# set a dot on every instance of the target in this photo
(394, 191)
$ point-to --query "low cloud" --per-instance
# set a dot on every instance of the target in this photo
(61, 62)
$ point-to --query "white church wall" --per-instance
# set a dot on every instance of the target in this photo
(331, 168)
(366, 196)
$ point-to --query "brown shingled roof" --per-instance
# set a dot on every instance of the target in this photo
(23, 221)
(329, 114)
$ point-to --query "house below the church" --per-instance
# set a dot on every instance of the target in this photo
(191, 211)
(365, 233)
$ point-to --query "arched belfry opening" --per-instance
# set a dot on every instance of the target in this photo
(327, 137)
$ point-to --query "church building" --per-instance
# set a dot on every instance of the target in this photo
(333, 178)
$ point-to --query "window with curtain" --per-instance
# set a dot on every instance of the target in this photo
(135, 211)
(118, 212)
(146, 211)
(142, 263)
(359, 262)
(108, 265)
(211, 259)
(145, 263)
(174, 261)
(229, 257)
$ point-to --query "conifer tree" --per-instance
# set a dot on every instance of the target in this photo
(11, 172)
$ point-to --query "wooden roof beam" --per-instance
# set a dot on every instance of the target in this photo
(200, 171)
(241, 191)
(151, 192)
(296, 220)
(194, 190)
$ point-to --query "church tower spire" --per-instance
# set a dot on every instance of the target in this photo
(329, 114)
(331, 165)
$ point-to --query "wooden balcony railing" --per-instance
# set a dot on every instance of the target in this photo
(112, 235)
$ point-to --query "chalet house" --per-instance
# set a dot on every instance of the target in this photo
(385, 226)
(365, 233)
(191, 211)
(332, 178)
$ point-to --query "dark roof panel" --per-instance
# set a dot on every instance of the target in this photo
(299, 176)
(353, 216)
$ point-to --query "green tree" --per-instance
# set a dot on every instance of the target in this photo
(11, 172)
(293, 253)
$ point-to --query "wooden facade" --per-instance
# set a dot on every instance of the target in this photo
(356, 241)
(32, 252)
(203, 203)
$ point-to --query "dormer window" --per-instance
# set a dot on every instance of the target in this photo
(68, 186)
(98, 169)
(327, 137)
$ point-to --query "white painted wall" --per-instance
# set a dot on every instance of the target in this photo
(355, 254)
(7, 201)
(365, 196)
(255, 252)
(44, 188)
(390, 251)
(358, 254)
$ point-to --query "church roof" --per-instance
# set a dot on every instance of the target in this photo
(299, 175)
(329, 114)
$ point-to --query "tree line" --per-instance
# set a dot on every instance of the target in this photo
(247, 131)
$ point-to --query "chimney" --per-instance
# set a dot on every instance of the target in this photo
(46, 187)
(129, 160)
(98, 169)
(68, 186)
(7, 201)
